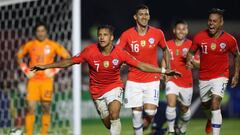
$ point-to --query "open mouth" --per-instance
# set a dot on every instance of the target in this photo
(211, 28)
(102, 42)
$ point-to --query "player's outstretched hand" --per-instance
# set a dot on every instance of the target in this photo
(234, 81)
(38, 67)
(173, 73)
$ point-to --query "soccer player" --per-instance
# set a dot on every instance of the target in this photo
(142, 89)
(104, 62)
(214, 45)
(41, 50)
(180, 89)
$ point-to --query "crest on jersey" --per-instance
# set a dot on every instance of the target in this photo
(184, 51)
(213, 46)
(223, 45)
(143, 43)
(47, 49)
(106, 64)
(115, 62)
(151, 40)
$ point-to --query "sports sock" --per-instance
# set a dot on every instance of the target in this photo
(46, 119)
(29, 123)
(171, 116)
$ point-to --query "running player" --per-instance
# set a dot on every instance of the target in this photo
(214, 45)
(104, 61)
(41, 50)
(142, 89)
(180, 89)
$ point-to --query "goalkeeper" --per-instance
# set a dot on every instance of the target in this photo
(40, 50)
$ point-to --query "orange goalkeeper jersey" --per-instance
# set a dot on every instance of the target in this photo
(41, 53)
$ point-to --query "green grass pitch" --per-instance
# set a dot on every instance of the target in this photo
(95, 127)
(196, 127)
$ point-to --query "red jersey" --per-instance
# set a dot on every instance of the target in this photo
(214, 55)
(104, 70)
(143, 48)
(178, 62)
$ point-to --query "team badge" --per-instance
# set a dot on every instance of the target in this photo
(143, 43)
(106, 64)
(151, 40)
(213, 46)
(223, 45)
(115, 62)
(47, 49)
(184, 51)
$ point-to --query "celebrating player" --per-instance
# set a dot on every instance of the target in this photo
(142, 89)
(179, 88)
(214, 45)
(40, 84)
(104, 61)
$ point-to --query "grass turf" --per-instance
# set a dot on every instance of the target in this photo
(95, 127)
(196, 127)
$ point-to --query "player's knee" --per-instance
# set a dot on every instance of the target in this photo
(171, 103)
(216, 102)
(31, 110)
(150, 112)
(114, 115)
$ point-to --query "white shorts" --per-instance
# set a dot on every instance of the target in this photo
(184, 95)
(214, 86)
(137, 94)
(102, 102)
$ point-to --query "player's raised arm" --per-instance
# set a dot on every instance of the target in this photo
(60, 64)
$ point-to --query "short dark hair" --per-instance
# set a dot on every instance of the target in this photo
(40, 23)
(180, 21)
(109, 27)
(217, 11)
(139, 7)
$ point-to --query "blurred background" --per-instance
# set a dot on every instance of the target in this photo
(18, 17)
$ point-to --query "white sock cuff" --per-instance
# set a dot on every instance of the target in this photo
(115, 121)
(170, 109)
(171, 113)
(136, 112)
(216, 111)
(150, 112)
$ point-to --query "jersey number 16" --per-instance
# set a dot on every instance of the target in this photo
(135, 47)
